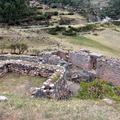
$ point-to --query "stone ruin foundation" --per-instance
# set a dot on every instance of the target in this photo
(55, 86)
(61, 67)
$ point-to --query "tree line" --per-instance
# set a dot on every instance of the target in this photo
(85, 7)
(13, 10)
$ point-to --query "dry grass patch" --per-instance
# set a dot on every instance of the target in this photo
(26, 108)
(81, 42)
(108, 37)
(12, 83)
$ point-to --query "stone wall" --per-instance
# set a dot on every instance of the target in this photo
(80, 60)
(19, 57)
(53, 88)
(104, 67)
(109, 69)
(89, 66)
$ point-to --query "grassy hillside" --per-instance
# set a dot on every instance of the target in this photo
(27, 108)
(63, 14)
(105, 41)
(101, 43)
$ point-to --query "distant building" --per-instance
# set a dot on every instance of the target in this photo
(106, 19)
(34, 4)
(45, 6)
(37, 4)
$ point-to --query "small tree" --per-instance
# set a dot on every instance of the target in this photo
(21, 47)
(2, 47)
(13, 48)
(36, 52)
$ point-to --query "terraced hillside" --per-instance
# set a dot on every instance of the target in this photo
(104, 40)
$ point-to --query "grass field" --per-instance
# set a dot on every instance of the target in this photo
(27, 108)
(106, 42)
(86, 42)
(17, 84)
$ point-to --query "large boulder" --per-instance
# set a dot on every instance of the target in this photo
(79, 76)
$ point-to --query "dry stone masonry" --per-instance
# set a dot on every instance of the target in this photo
(54, 88)
(60, 67)
(103, 67)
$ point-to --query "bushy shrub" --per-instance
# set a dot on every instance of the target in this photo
(53, 6)
(18, 22)
(87, 27)
(106, 24)
(98, 89)
(26, 20)
(55, 13)
(56, 30)
(39, 7)
(117, 23)
(96, 34)
(69, 33)
(11, 23)
(35, 52)
(42, 17)
(62, 13)
(70, 13)
(1, 38)
(64, 21)
(40, 13)
(52, 32)
(47, 15)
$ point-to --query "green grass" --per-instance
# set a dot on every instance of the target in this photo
(27, 108)
(78, 42)
(22, 107)
(106, 42)
(12, 83)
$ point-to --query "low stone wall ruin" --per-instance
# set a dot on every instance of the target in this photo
(20, 57)
(76, 66)
(104, 67)
(52, 88)
(109, 69)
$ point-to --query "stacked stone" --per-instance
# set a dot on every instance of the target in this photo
(29, 69)
(51, 89)
(3, 69)
(23, 58)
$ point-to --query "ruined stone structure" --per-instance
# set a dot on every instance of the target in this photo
(55, 87)
(60, 67)
(86, 65)
(103, 67)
